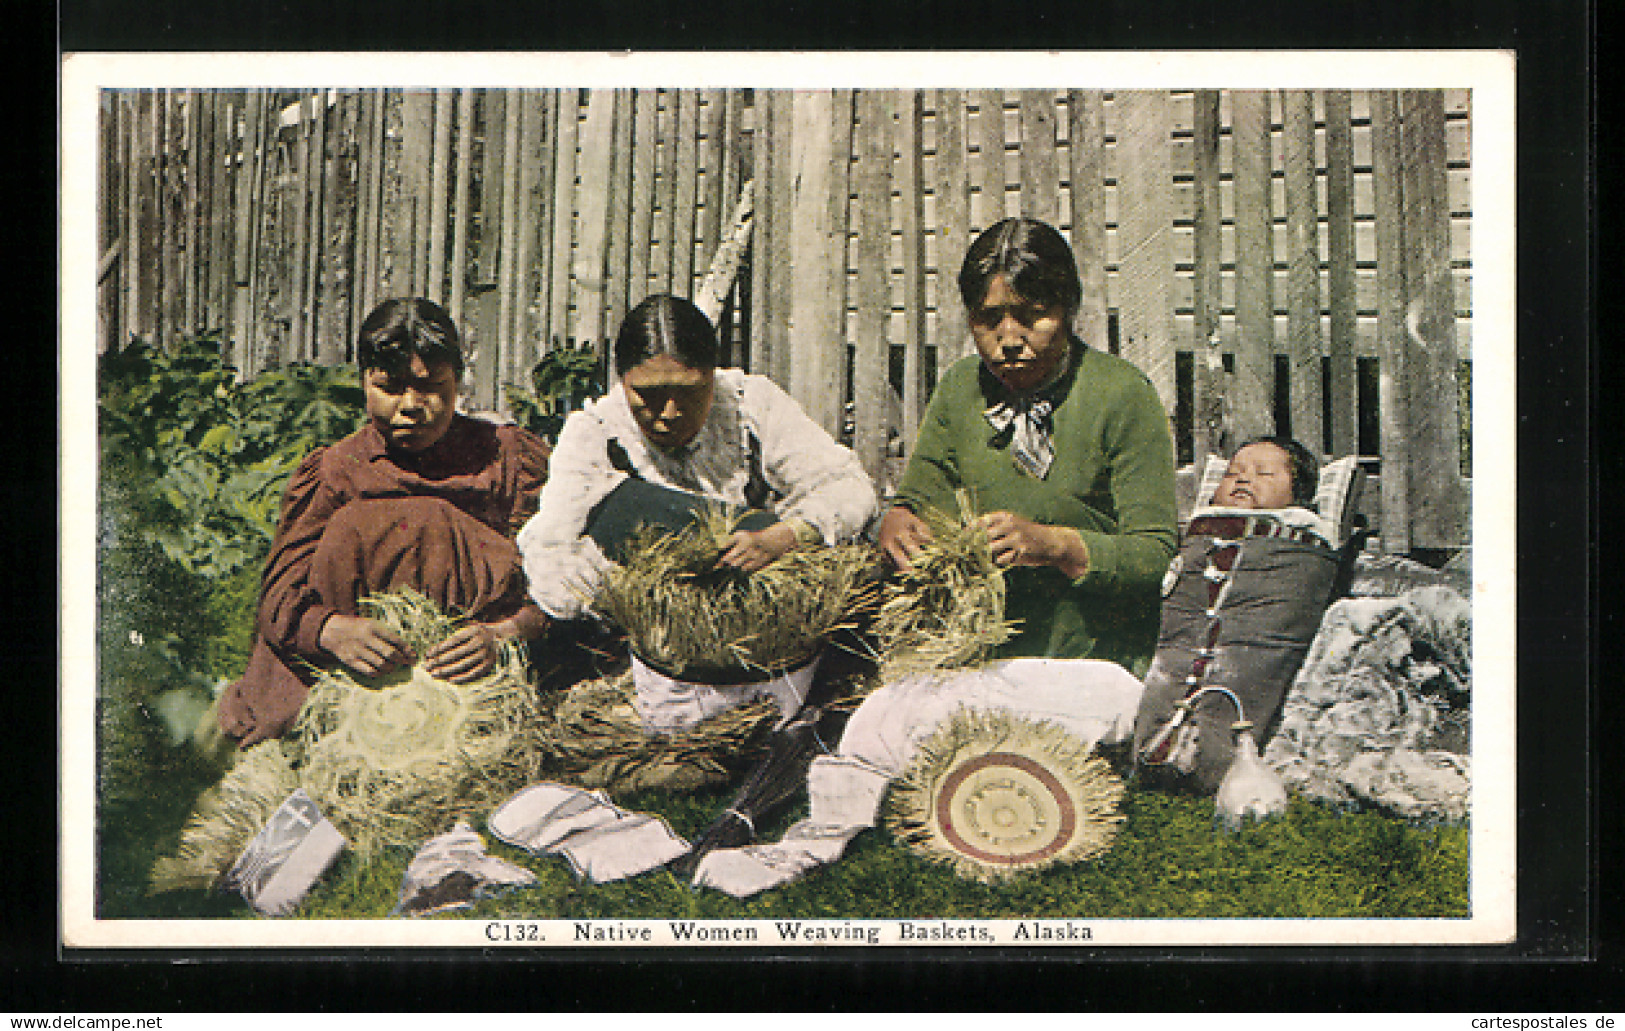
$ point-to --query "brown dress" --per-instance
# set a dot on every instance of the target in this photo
(358, 518)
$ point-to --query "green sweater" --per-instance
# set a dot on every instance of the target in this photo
(1112, 480)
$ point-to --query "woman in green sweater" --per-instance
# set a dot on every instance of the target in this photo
(1066, 451)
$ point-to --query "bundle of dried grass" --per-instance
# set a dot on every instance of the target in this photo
(596, 740)
(992, 795)
(396, 759)
(225, 819)
(689, 619)
(390, 760)
(947, 611)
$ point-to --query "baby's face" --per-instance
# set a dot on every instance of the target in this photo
(1259, 476)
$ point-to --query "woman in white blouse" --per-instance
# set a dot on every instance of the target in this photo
(677, 421)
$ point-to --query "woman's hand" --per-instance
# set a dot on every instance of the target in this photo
(1021, 542)
(750, 550)
(362, 645)
(902, 533)
(471, 652)
(467, 654)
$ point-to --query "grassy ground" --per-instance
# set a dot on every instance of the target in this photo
(1169, 861)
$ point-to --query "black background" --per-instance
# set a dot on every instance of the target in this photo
(1567, 959)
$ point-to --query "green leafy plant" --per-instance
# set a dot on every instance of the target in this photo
(213, 455)
(566, 376)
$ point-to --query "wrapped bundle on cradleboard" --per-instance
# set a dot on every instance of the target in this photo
(1242, 601)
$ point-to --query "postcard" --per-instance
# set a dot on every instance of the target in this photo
(378, 368)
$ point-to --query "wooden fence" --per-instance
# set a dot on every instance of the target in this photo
(1292, 260)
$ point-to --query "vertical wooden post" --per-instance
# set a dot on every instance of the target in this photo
(712, 211)
(872, 350)
(372, 225)
(1145, 237)
(1040, 182)
(335, 310)
(817, 246)
(1304, 345)
(167, 156)
(149, 245)
(952, 186)
(417, 141)
(317, 185)
(565, 122)
(1255, 266)
(622, 202)
(510, 267)
(1209, 387)
(249, 178)
(299, 265)
(592, 242)
(683, 203)
(764, 233)
(130, 202)
(665, 192)
(783, 251)
(434, 284)
(108, 221)
(462, 215)
(990, 177)
(1086, 109)
(491, 305)
(910, 183)
(222, 144)
(193, 244)
(1393, 388)
(1340, 286)
(1438, 500)
(645, 197)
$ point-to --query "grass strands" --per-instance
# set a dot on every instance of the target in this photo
(226, 818)
(396, 759)
(975, 798)
(947, 611)
(596, 740)
(684, 616)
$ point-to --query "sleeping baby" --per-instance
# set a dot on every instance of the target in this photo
(1242, 601)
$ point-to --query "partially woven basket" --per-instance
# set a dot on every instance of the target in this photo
(993, 796)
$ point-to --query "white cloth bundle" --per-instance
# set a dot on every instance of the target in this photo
(667, 705)
(601, 841)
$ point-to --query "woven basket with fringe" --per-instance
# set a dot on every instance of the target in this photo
(596, 740)
(992, 795)
(693, 621)
(390, 760)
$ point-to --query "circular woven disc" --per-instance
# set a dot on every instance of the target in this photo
(993, 795)
(415, 718)
(1005, 808)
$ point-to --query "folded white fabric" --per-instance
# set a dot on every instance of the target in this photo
(601, 841)
(667, 705)
(451, 870)
(286, 858)
(1091, 700)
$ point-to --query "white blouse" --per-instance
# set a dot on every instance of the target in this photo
(816, 479)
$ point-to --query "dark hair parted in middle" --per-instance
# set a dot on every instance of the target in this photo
(664, 324)
(1305, 467)
(402, 327)
(1032, 255)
